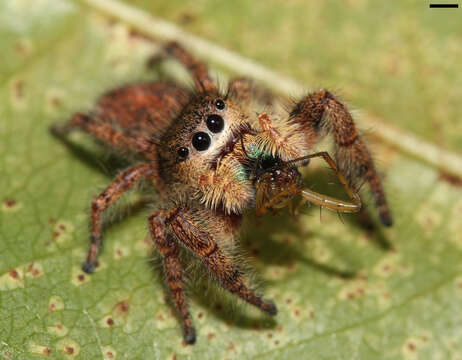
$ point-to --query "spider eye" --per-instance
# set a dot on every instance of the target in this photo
(201, 141)
(215, 123)
(183, 152)
(220, 104)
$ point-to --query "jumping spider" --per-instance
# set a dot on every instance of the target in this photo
(210, 160)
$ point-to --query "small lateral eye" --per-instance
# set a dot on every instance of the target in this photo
(215, 123)
(201, 141)
(183, 152)
(220, 104)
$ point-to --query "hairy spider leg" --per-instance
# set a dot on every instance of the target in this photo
(197, 68)
(201, 244)
(170, 252)
(122, 183)
(107, 133)
(322, 113)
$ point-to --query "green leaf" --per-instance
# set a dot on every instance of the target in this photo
(342, 291)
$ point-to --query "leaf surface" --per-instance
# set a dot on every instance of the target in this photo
(343, 291)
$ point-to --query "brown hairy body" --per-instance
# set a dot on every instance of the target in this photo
(211, 158)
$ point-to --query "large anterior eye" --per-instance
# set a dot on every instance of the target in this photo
(201, 141)
(215, 123)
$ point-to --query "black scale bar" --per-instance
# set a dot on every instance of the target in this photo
(445, 6)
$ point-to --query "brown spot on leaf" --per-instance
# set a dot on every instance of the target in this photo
(81, 277)
(110, 321)
(55, 101)
(69, 350)
(122, 308)
(21, 48)
(18, 89)
(34, 270)
(210, 336)
(46, 351)
(55, 304)
(10, 202)
(14, 274)
(187, 18)
(109, 355)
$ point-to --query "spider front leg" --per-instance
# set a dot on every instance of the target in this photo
(321, 113)
(188, 227)
(170, 252)
(123, 182)
(219, 189)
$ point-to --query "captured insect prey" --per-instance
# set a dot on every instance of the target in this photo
(210, 158)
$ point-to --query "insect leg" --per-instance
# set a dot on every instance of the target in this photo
(123, 182)
(325, 200)
(201, 244)
(332, 203)
(265, 201)
(170, 251)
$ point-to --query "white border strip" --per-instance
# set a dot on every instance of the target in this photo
(164, 30)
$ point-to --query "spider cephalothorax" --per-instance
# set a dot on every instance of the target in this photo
(211, 158)
(196, 151)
